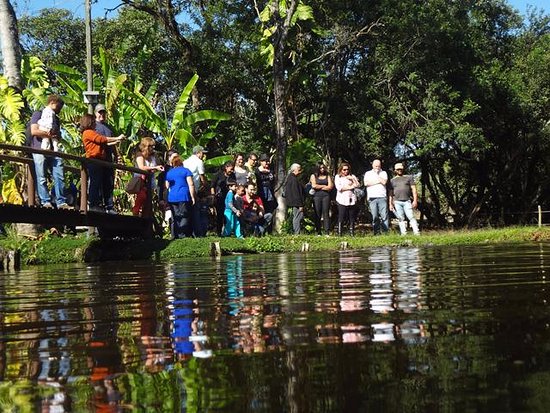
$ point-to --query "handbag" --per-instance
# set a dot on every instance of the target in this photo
(359, 193)
(134, 185)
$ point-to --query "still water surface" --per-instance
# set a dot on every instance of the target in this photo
(439, 329)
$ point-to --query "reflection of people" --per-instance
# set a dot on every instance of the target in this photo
(345, 182)
(353, 297)
(188, 330)
(404, 199)
(408, 297)
(181, 198)
(382, 296)
(42, 163)
(375, 182)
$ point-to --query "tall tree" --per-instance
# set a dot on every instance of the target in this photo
(9, 41)
(277, 19)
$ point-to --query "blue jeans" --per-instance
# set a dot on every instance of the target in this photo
(54, 164)
(379, 210)
(404, 209)
(95, 175)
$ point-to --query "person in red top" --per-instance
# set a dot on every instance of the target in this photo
(95, 146)
(254, 212)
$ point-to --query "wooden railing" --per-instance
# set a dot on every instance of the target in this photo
(6, 153)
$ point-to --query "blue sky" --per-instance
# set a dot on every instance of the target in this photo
(99, 7)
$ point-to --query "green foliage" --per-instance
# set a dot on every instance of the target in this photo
(12, 129)
(56, 36)
(55, 250)
(266, 244)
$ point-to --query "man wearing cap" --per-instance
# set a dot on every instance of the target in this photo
(108, 184)
(404, 189)
(196, 165)
(375, 182)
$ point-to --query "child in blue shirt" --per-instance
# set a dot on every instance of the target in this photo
(231, 212)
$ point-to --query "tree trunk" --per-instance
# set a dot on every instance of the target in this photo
(282, 120)
(9, 42)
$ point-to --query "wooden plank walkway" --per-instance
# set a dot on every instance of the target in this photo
(109, 226)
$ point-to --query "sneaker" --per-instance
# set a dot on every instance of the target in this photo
(64, 206)
(111, 211)
(47, 205)
(95, 209)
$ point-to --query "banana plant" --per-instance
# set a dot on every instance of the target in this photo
(12, 128)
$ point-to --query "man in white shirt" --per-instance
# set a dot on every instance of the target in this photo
(375, 182)
(196, 165)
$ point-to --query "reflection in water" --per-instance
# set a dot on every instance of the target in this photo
(452, 328)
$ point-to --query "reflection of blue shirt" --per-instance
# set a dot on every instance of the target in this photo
(179, 188)
(235, 291)
(183, 317)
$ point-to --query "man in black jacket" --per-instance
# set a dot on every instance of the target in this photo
(294, 194)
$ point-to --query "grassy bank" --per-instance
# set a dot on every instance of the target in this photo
(50, 250)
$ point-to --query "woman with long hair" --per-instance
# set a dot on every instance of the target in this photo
(265, 182)
(241, 173)
(322, 183)
(146, 161)
(345, 182)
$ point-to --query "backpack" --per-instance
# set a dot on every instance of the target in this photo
(28, 134)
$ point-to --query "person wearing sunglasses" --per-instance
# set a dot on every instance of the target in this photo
(346, 200)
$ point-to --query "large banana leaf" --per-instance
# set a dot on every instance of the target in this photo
(205, 115)
(11, 102)
(179, 112)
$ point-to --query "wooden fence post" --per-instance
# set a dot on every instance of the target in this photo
(30, 185)
(83, 188)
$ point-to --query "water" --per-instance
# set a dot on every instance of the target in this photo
(435, 329)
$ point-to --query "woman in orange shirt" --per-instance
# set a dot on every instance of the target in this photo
(95, 146)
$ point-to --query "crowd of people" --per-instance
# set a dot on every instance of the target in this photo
(241, 195)
(397, 195)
